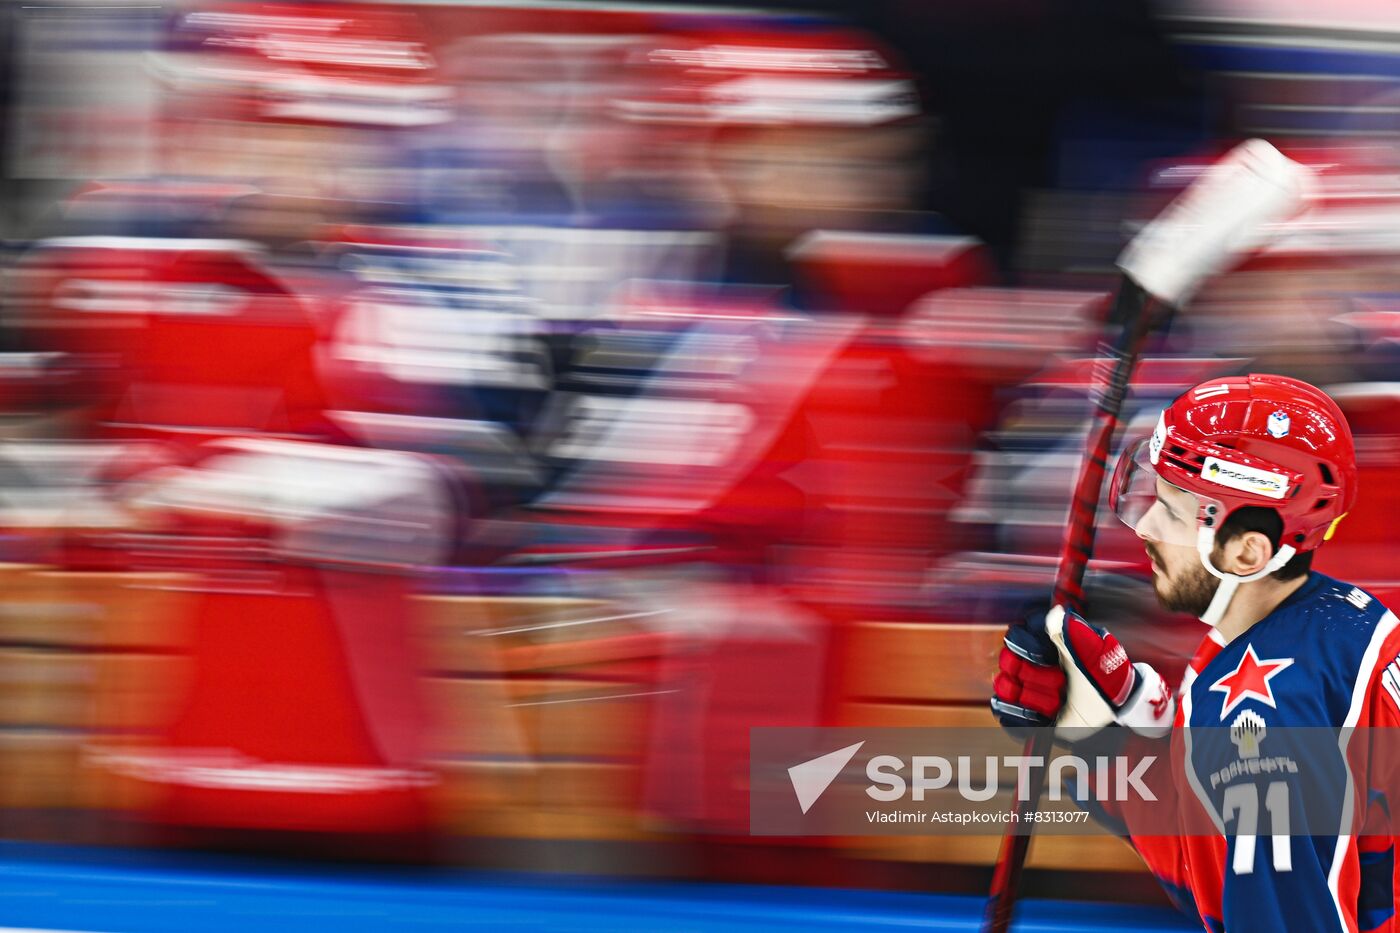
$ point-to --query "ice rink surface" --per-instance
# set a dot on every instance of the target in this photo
(67, 889)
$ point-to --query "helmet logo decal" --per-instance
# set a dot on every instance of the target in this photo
(1278, 424)
(1245, 478)
(1159, 437)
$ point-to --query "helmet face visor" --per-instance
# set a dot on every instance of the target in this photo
(1154, 508)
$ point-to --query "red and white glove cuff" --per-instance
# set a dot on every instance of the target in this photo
(1151, 708)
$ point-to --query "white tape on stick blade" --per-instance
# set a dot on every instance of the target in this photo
(1227, 212)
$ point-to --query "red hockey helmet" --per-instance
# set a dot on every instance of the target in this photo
(1256, 440)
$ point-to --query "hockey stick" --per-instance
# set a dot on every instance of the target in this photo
(1224, 214)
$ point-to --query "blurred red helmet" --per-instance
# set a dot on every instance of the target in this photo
(1256, 440)
(306, 64)
(773, 77)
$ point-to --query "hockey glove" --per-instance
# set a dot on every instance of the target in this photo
(1029, 689)
(1103, 686)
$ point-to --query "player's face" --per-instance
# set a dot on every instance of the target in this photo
(1180, 582)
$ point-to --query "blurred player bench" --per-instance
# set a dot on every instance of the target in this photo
(543, 707)
(87, 660)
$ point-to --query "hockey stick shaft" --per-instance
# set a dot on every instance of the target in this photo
(1139, 312)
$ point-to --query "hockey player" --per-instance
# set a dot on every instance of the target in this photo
(1241, 481)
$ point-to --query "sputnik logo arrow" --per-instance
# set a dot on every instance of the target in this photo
(811, 778)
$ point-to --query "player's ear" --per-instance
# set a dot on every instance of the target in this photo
(1245, 553)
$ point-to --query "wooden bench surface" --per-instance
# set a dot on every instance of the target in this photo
(947, 663)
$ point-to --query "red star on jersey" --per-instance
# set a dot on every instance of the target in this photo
(1250, 678)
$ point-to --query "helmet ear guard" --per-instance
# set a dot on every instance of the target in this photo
(1229, 582)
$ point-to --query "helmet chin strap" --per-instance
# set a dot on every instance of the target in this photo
(1229, 582)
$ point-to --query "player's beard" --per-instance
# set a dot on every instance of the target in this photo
(1190, 590)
